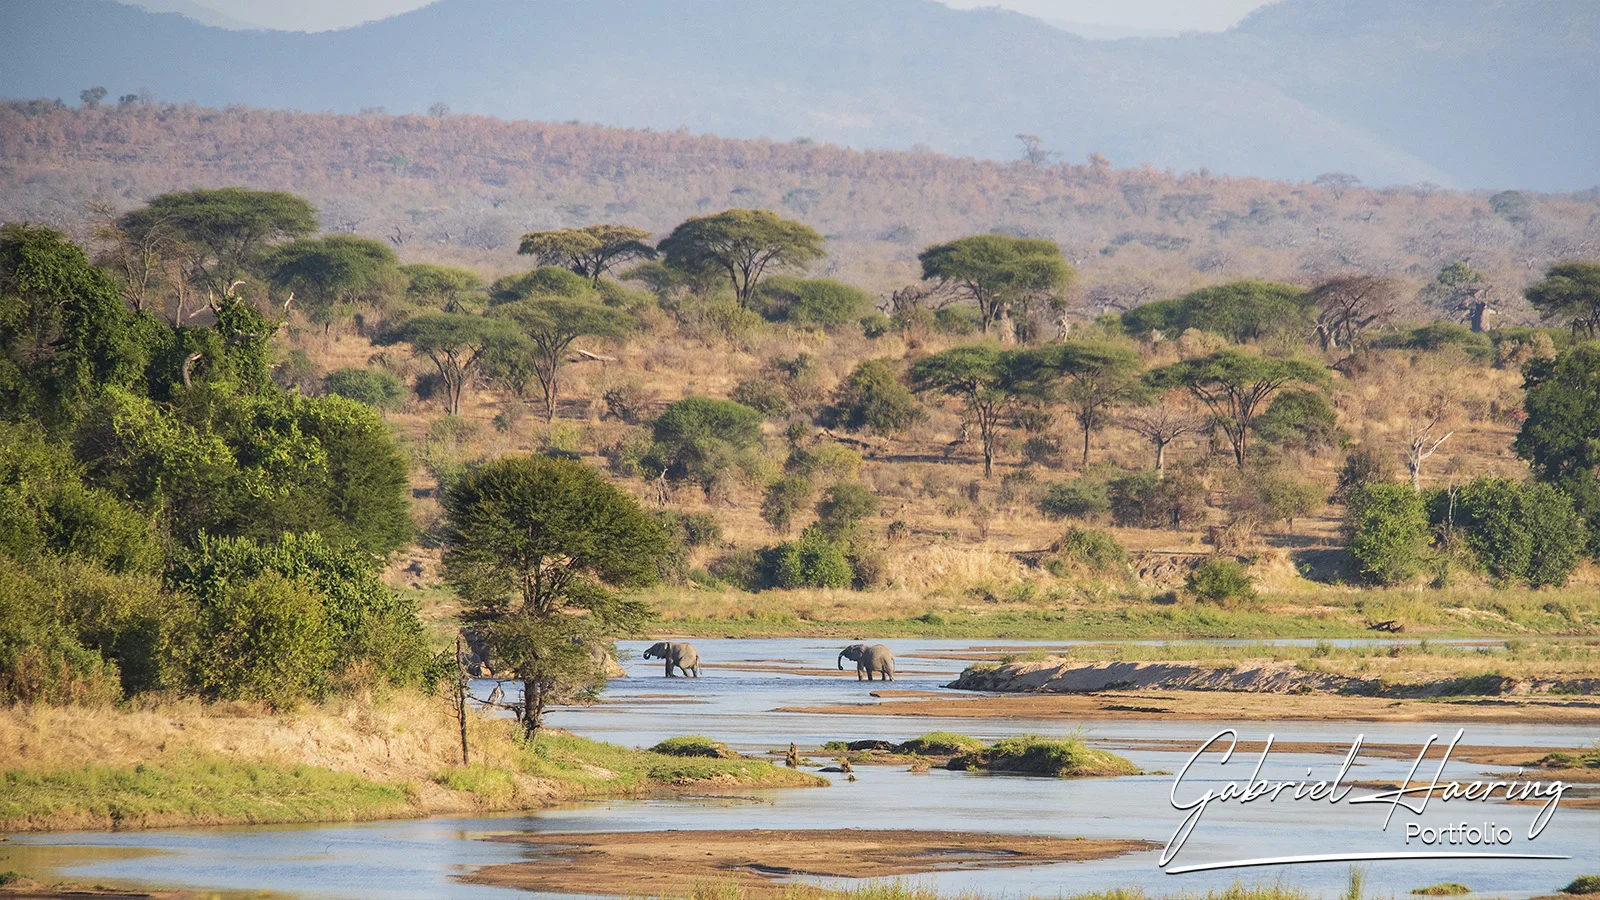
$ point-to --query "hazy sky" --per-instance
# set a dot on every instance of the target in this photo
(1155, 15)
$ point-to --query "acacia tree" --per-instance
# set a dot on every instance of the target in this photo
(1165, 421)
(222, 232)
(540, 551)
(1570, 292)
(1236, 387)
(1349, 304)
(331, 275)
(988, 381)
(589, 251)
(445, 288)
(1091, 378)
(456, 344)
(551, 325)
(998, 273)
(742, 243)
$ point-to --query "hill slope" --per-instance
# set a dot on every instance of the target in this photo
(1496, 92)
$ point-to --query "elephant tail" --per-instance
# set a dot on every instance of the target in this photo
(841, 660)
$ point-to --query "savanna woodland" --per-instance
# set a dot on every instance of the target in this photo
(261, 453)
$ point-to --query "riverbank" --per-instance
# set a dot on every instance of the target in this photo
(353, 759)
(1024, 611)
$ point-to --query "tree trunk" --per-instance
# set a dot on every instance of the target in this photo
(461, 701)
(532, 709)
(1161, 459)
(1086, 446)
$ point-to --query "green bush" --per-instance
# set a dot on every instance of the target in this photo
(1085, 498)
(1037, 755)
(41, 660)
(1149, 500)
(811, 562)
(761, 395)
(698, 438)
(373, 387)
(1526, 532)
(875, 325)
(812, 301)
(842, 508)
(1301, 420)
(940, 743)
(784, 499)
(741, 568)
(872, 399)
(1438, 335)
(265, 638)
(1091, 551)
(1221, 581)
(958, 320)
(1386, 532)
(827, 461)
(1239, 311)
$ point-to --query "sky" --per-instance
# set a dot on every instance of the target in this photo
(1101, 18)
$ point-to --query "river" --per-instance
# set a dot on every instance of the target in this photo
(420, 858)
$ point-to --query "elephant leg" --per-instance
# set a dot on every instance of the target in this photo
(669, 668)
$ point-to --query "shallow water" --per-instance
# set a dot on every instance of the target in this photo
(420, 858)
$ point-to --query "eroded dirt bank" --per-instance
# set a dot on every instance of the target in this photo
(1055, 675)
(1222, 705)
(672, 863)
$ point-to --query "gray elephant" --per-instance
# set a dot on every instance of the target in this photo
(683, 657)
(869, 660)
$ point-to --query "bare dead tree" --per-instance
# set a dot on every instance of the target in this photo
(1420, 442)
(1164, 422)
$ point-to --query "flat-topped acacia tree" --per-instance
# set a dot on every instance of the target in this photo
(541, 551)
(549, 326)
(590, 251)
(988, 381)
(1236, 387)
(744, 244)
(456, 344)
(222, 232)
(998, 272)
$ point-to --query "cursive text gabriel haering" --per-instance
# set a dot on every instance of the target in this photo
(1335, 791)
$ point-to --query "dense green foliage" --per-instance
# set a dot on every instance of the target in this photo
(1221, 581)
(742, 245)
(999, 274)
(135, 454)
(1298, 419)
(542, 551)
(1239, 311)
(1387, 530)
(698, 438)
(376, 388)
(1561, 436)
(872, 399)
(1518, 532)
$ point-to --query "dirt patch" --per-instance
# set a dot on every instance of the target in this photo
(672, 863)
(1212, 706)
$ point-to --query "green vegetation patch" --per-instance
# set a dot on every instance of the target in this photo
(193, 790)
(593, 767)
(1583, 884)
(1446, 889)
(694, 745)
(1036, 755)
(491, 785)
(941, 743)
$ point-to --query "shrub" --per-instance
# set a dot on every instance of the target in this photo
(1085, 498)
(376, 388)
(1443, 889)
(1387, 532)
(811, 562)
(785, 497)
(827, 461)
(697, 438)
(1148, 500)
(265, 638)
(842, 508)
(1091, 551)
(1438, 335)
(1042, 450)
(1362, 466)
(685, 531)
(876, 325)
(812, 301)
(958, 320)
(742, 568)
(1239, 311)
(1302, 420)
(1221, 581)
(761, 395)
(1519, 531)
(872, 399)
(41, 660)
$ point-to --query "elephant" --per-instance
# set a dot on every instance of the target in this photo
(683, 657)
(869, 660)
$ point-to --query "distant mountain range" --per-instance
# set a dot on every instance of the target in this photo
(1464, 93)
